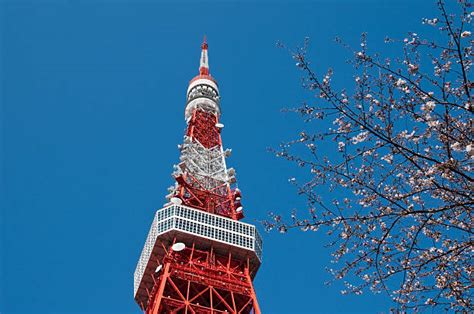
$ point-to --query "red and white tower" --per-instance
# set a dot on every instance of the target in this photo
(198, 257)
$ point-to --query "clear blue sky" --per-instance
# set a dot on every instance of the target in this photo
(92, 99)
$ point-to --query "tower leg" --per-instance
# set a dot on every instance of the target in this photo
(159, 295)
(256, 307)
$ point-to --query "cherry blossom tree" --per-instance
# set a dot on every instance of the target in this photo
(396, 198)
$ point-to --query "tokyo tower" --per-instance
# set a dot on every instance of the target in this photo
(198, 256)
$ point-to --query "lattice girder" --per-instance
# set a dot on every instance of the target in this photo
(204, 182)
(200, 281)
(203, 128)
(206, 163)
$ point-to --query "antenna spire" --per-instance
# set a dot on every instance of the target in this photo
(204, 65)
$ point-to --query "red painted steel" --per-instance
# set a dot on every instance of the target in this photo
(198, 281)
(202, 127)
(203, 77)
(220, 199)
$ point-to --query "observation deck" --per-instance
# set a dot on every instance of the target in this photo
(185, 224)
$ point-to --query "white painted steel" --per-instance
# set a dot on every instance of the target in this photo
(207, 165)
(202, 103)
(204, 60)
(202, 81)
(202, 94)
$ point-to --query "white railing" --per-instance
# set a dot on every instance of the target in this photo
(199, 223)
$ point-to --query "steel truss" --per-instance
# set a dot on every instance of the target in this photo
(200, 281)
(203, 180)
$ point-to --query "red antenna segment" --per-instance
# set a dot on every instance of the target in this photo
(204, 65)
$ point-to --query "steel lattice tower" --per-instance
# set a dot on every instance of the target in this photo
(198, 257)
